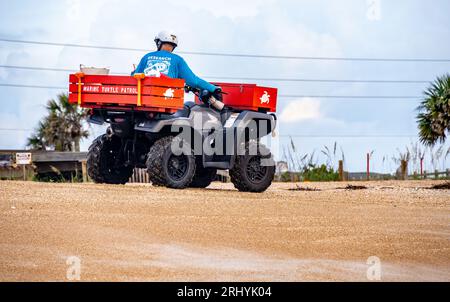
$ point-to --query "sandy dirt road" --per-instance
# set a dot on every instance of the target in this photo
(140, 232)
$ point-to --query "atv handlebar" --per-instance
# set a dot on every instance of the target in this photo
(188, 89)
(213, 99)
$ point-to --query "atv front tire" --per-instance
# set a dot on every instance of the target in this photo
(249, 174)
(167, 169)
(103, 161)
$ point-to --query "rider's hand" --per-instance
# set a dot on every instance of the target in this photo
(204, 96)
(217, 94)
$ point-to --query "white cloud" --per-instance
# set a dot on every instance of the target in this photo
(302, 109)
(225, 8)
(287, 37)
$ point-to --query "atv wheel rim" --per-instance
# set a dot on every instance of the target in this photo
(177, 167)
(255, 171)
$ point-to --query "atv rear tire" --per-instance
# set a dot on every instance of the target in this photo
(167, 169)
(248, 175)
(103, 165)
(203, 176)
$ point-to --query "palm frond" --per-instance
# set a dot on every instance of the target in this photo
(63, 126)
(433, 116)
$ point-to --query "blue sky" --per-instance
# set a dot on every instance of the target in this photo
(402, 29)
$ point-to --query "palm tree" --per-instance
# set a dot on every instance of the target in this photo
(36, 140)
(62, 129)
(434, 112)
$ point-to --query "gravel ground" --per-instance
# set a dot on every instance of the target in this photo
(140, 232)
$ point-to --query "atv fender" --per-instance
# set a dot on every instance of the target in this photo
(247, 118)
(155, 126)
(197, 114)
(96, 119)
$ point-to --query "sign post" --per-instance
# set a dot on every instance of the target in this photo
(23, 159)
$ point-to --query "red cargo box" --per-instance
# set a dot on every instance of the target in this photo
(104, 91)
(249, 97)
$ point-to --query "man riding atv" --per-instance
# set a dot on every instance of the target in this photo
(220, 134)
(163, 61)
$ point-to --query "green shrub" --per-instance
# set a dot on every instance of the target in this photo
(320, 173)
(69, 176)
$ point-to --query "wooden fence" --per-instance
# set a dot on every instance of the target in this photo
(139, 176)
(435, 174)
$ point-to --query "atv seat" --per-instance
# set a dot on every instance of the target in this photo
(183, 112)
(189, 104)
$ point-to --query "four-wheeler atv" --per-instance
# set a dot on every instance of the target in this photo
(180, 147)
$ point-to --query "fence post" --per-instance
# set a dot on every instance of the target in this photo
(368, 166)
(341, 170)
(421, 168)
(84, 170)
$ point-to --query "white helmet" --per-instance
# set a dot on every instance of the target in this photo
(166, 37)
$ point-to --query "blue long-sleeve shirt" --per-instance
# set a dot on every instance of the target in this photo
(172, 66)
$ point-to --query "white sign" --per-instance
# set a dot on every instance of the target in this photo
(23, 158)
